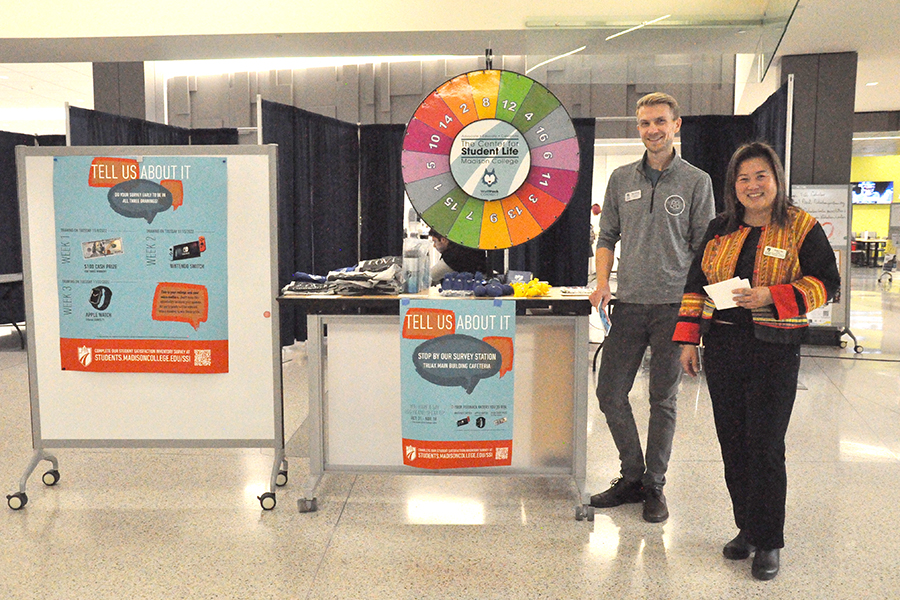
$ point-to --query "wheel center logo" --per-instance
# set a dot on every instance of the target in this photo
(675, 205)
(489, 159)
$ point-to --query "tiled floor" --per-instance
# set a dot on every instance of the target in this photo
(155, 523)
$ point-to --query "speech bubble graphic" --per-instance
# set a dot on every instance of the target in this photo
(504, 346)
(456, 360)
(177, 188)
(139, 199)
(183, 302)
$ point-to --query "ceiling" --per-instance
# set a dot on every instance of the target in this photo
(46, 48)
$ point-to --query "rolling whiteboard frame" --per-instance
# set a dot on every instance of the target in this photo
(241, 408)
(830, 205)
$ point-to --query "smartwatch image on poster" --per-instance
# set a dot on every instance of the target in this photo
(100, 298)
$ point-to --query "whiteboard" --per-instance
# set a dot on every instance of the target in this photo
(241, 407)
(830, 205)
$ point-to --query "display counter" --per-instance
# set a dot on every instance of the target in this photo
(355, 392)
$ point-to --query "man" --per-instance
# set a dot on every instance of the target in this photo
(658, 208)
(455, 258)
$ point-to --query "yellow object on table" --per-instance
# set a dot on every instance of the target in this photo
(530, 289)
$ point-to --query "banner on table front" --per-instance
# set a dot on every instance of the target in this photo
(457, 382)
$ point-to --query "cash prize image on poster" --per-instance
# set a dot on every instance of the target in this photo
(457, 382)
(141, 255)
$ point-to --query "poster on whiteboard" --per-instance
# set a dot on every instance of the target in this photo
(141, 256)
(456, 382)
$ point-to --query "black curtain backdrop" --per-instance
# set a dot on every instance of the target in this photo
(213, 137)
(318, 197)
(770, 121)
(333, 191)
(561, 254)
(708, 142)
(51, 140)
(95, 128)
(10, 233)
(159, 134)
(13, 306)
(380, 191)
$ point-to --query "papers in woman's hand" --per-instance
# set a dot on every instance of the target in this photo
(722, 293)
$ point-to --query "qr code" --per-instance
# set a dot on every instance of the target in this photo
(501, 453)
(202, 358)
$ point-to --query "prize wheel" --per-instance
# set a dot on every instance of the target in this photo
(490, 159)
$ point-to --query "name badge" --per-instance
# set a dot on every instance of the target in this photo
(632, 195)
(774, 252)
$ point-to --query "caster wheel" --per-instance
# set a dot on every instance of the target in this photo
(17, 501)
(584, 512)
(267, 501)
(306, 505)
(51, 477)
(281, 479)
(844, 344)
(858, 349)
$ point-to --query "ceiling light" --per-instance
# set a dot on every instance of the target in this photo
(550, 60)
(636, 27)
(872, 83)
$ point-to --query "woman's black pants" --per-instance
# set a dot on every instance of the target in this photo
(752, 385)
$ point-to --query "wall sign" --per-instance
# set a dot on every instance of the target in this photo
(490, 159)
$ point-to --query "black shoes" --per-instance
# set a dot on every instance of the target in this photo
(738, 548)
(765, 564)
(620, 492)
(655, 509)
(625, 492)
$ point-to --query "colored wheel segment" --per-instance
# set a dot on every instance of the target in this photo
(490, 159)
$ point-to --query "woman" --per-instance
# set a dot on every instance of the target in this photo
(752, 351)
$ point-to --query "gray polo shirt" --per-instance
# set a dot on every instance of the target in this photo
(659, 227)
